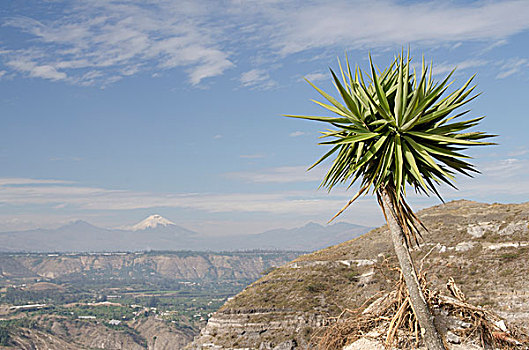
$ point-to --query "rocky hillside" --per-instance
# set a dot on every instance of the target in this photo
(484, 247)
(174, 265)
(62, 333)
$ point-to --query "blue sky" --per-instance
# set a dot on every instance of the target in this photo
(115, 110)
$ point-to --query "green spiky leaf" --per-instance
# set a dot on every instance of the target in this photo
(397, 130)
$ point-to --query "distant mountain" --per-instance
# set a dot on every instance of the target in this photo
(75, 236)
(153, 221)
(310, 237)
(313, 235)
(159, 233)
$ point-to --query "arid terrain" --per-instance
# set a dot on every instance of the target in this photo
(484, 247)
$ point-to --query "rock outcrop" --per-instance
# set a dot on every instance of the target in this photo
(173, 265)
(61, 333)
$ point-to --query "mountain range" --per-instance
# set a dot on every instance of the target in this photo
(159, 233)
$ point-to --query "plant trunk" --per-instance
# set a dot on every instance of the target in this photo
(425, 318)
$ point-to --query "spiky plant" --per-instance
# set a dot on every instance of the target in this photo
(394, 130)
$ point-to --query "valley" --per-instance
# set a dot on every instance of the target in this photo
(141, 300)
(256, 299)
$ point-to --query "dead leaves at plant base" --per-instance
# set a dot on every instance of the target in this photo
(390, 318)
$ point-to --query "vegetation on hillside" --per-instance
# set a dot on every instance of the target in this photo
(126, 293)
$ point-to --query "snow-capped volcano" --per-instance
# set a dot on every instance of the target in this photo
(152, 221)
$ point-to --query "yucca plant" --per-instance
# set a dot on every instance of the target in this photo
(394, 130)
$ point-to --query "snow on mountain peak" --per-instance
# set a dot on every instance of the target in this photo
(152, 221)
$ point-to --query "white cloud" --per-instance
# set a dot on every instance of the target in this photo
(316, 76)
(505, 168)
(9, 181)
(33, 70)
(494, 45)
(101, 42)
(361, 24)
(297, 133)
(490, 188)
(47, 72)
(257, 79)
(518, 152)
(500, 178)
(46, 192)
(446, 67)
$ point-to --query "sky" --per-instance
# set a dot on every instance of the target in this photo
(115, 110)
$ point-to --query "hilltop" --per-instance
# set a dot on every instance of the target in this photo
(484, 247)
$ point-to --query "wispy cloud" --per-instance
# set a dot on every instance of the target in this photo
(518, 152)
(46, 192)
(101, 42)
(510, 167)
(361, 24)
(512, 66)
(257, 79)
(297, 133)
(507, 177)
(499, 179)
(316, 76)
(279, 175)
(14, 181)
(494, 45)
(446, 67)
(252, 156)
(33, 70)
